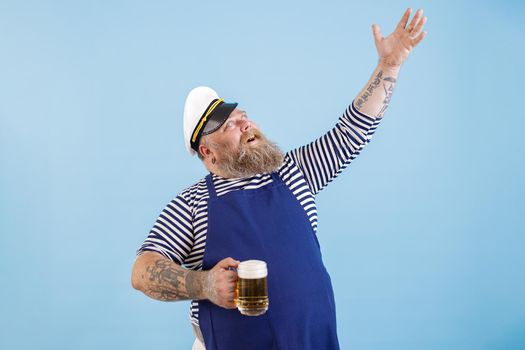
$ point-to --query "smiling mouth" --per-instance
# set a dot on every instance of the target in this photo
(251, 139)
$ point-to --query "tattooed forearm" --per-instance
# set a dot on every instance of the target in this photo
(388, 90)
(167, 281)
(369, 90)
(374, 99)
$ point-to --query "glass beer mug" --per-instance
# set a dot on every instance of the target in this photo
(251, 294)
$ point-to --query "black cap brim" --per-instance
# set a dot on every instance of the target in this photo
(218, 117)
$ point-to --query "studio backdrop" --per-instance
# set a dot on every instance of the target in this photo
(422, 234)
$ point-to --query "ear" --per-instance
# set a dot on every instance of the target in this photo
(205, 151)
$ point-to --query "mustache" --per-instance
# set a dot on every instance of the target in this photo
(252, 133)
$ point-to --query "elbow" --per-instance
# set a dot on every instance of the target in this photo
(136, 278)
(140, 268)
(135, 282)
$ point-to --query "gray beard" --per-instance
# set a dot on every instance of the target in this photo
(265, 157)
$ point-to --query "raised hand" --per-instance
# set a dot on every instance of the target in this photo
(394, 49)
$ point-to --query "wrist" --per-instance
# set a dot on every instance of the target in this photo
(207, 284)
(196, 284)
(389, 67)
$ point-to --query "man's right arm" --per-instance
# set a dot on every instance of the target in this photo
(162, 279)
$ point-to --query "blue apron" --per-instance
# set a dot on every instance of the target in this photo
(269, 224)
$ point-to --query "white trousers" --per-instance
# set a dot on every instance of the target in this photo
(197, 345)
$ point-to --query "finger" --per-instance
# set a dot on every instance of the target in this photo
(403, 22)
(418, 27)
(418, 38)
(414, 20)
(227, 292)
(229, 304)
(227, 263)
(377, 34)
(231, 276)
(229, 301)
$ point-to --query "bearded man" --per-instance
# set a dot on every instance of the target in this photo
(259, 203)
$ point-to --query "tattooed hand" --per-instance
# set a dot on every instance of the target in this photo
(395, 48)
(220, 284)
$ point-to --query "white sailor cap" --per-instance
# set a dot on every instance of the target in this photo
(204, 113)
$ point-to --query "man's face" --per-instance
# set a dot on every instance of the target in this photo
(241, 149)
(237, 130)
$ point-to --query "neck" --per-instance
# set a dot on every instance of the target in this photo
(212, 168)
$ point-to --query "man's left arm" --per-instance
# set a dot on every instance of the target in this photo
(323, 160)
(393, 50)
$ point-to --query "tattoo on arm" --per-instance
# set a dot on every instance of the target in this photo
(369, 90)
(167, 282)
(387, 83)
(388, 94)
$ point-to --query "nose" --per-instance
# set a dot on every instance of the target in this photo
(245, 125)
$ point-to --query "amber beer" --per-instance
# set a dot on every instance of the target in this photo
(251, 295)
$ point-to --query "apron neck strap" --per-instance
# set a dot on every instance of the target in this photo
(211, 188)
(275, 177)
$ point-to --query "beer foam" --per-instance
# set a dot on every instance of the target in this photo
(251, 269)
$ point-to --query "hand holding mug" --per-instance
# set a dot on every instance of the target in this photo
(221, 283)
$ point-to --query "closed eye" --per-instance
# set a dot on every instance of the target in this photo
(228, 125)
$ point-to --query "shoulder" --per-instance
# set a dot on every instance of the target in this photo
(290, 172)
(287, 165)
(193, 196)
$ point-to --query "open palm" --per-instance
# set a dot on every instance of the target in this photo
(394, 49)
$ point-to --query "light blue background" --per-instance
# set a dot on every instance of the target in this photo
(422, 234)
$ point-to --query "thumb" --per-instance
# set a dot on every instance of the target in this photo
(377, 34)
(227, 263)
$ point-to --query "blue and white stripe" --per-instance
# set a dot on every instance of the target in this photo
(180, 231)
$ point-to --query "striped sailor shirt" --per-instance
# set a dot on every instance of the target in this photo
(179, 233)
